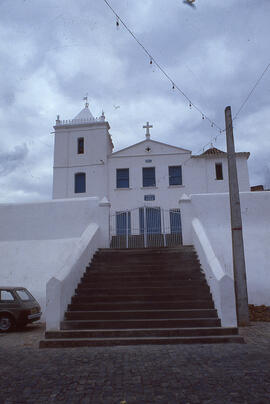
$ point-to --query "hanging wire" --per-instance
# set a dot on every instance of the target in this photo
(153, 60)
(251, 92)
(174, 86)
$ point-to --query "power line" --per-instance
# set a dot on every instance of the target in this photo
(251, 92)
(153, 61)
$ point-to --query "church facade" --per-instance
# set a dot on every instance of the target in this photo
(143, 182)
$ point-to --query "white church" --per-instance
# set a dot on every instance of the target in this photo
(148, 194)
(143, 182)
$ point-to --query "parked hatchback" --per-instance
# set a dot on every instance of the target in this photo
(17, 308)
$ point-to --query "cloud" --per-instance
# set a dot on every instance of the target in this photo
(52, 53)
(11, 160)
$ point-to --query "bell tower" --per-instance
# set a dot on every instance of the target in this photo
(81, 149)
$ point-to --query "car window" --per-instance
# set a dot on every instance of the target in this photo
(6, 295)
(23, 295)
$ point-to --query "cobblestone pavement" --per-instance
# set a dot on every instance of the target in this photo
(169, 374)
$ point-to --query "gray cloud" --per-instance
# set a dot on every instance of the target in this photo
(52, 53)
(11, 160)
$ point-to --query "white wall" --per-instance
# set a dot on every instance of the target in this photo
(36, 239)
(213, 211)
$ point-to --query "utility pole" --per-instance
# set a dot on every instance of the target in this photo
(239, 267)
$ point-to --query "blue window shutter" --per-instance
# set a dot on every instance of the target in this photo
(80, 185)
(175, 175)
(122, 178)
(149, 177)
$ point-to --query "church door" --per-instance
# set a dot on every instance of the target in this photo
(152, 217)
(123, 226)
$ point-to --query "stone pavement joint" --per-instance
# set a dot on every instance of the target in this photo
(166, 374)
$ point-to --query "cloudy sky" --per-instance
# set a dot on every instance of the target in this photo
(54, 52)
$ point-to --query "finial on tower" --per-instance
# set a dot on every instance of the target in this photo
(102, 117)
(85, 98)
(147, 127)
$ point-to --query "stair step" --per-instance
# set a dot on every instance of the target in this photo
(179, 291)
(182, 304)
(82, 342)
(120, 283)
(146, 264)
(136, 298)
(146, 251)
(149, 323)
(143, 269)
(153, 332)
(142, 275)
(97, 276)
(139, 314)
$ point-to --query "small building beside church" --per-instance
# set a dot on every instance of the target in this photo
(143, 182)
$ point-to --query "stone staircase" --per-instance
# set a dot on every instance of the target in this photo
(141, 296)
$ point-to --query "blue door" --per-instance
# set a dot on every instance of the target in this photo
(153, 220)
(175, 221)
(123, 223)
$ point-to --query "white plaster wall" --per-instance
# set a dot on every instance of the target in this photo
(36, 239)
(213, 185)
(93, 162)
(31, 263)
(47, 220)
(165, 195)
(213, 211)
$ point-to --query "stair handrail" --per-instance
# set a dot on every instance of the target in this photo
(221, 284)
(60, 288)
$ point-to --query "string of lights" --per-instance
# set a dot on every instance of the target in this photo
(176, 87)
(251, 92)
(162, 70)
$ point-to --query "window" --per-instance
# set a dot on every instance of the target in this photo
(24, 295)
(80, 183)
(175, 175)
(123, 223)
(149, 197)
(122, 178)
(149, 178)
(6, 295)
(219, 172)
(80, 145)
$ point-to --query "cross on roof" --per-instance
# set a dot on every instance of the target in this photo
(147, 127)
(85, 98)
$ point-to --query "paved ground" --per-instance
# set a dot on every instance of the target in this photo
(180, 374)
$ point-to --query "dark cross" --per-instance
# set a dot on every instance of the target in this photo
(148, 149)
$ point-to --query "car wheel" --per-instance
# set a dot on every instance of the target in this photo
(6, 322)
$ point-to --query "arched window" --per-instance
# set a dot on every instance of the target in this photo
(80, 183)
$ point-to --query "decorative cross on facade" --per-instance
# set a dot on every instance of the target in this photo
(147, 127)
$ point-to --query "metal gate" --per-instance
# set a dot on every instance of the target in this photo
(146, 226)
